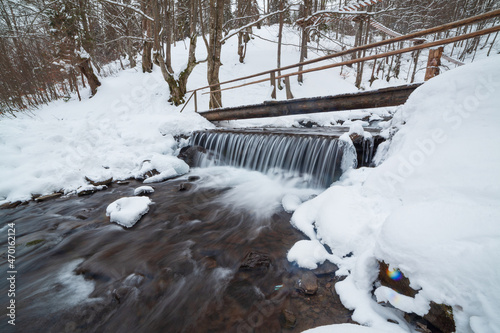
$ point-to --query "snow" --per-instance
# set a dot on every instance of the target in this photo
(290, 202)
(167, 166)
(310, 253)
(430, 208)
(127, 122)
(343, 328)
(143, 190)
(90, 188)
(127, 211)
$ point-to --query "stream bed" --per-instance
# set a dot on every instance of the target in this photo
(196, 262)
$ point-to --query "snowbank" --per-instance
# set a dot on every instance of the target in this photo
(127, 211)
(430, 208)
(110, 135)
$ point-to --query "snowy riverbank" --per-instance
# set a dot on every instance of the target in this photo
(430, 209)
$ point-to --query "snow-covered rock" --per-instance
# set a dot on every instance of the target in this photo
(144, 190)
(127, 211)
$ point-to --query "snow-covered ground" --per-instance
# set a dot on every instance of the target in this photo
(430, 208)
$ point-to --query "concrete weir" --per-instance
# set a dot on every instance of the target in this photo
(316, 155)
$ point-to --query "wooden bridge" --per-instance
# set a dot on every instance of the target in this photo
(367, 99)
(361, 100)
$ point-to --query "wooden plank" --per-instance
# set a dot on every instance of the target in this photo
(362, 100)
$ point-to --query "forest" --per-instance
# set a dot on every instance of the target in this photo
(250, 165)
(50, 49)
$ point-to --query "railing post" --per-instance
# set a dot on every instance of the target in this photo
(289, 94)
(195, 101)
(273, 84)
(433, 63)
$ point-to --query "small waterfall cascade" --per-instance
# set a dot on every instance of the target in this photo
(316, 160)
(367, 148)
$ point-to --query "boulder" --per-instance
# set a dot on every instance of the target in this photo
(191, 154)
(288, 319)
(307, 283)
(440, 316)
(401, 285)
(185, 186)
(193, 178)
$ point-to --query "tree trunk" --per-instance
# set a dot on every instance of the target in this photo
(168, 52)
(214, 63)
(306, 11)
(131, 54)
(280, 37)
(247, 13)
(177, 86)
(86, 69)
(360, 67)
(147, 64)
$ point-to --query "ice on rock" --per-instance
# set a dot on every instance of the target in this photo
(127, 211)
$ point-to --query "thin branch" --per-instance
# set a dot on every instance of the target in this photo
(137, 10)
(125, 37)
(235, 32)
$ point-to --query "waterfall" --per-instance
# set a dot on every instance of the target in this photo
(317, 160)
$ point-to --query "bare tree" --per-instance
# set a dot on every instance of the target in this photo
(306, 11)
(176, 83)
(214, 51)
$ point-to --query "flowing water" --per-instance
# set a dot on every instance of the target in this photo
(181, 268)
(318, 160)
(209, 256)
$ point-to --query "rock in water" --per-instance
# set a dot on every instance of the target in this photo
(185, 186)
(191, 154)
(48, 196)
(288, 319)
(97, 181)
(255, 261)
(308, 283)
(89, 189)
(144, 190)
(127, 211)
